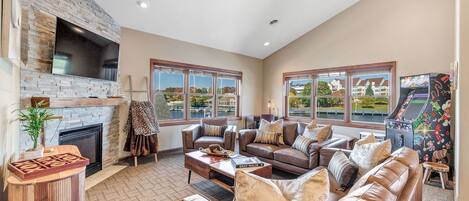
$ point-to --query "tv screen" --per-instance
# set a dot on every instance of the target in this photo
(83, 53)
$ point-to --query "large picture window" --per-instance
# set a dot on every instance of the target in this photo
(358, 96)
(184, 93)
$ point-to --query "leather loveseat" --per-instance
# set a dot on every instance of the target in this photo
(284, 157)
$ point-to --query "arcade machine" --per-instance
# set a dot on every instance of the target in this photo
(422, 118)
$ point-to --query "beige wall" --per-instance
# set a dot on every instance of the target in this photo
(138, 47)
(462, 109)
(9, 129)
(418, 34)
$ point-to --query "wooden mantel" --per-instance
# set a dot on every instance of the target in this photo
(73, 102)
(84, 102)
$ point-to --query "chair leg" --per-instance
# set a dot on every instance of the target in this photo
(156, 158)
(426, 175)
(135, 161)
(443, 181)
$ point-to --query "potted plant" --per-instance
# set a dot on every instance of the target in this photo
(33, 119)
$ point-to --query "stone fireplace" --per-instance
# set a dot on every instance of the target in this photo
(37, 49)
(88, 139)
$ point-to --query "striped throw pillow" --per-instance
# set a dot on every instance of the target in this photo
(212, 130)
(343, 170)
(267, 137)
(302, 143)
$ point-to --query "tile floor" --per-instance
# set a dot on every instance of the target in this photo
(167, 180)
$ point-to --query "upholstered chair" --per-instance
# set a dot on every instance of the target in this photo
(194, 137)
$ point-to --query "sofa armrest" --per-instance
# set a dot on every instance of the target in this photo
(326, 153)
(229, 137)
(246, 137)
(189, 135)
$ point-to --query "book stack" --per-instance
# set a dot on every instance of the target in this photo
(245, 162)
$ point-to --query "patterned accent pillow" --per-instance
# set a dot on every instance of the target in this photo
(270, 128)
(320, 134)
(266, 137)
(312, 125)
(367, 156)
(343, 170)
(212, 130)
(302, 143)
(312, 186)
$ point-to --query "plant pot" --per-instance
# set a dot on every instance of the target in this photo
(32, 154)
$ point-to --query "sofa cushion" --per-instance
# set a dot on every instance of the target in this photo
(292, 156)
(393, 175)
(262, 150)
(206, 141)
(370, 192)
(289, 133)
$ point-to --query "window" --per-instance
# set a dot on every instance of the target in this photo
(370, 97)
(330, 97)
(352, 95)
(168, 90)
(299, 97)
(227, 97)
(184, 93)
(200, 95)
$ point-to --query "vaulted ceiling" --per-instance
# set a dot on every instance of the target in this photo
(239, 26)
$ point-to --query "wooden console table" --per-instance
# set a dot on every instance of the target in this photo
(63, 186)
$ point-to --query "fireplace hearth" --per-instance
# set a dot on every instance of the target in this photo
(88, 139)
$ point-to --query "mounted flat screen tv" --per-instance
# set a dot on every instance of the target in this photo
(83, 53)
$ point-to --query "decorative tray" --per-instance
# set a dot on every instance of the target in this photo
(223, 153)
(47, 165)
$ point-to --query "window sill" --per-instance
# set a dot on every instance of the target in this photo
(363, 125)
(189, 122)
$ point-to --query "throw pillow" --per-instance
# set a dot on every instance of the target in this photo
(302, 143)
(212, 130)
(312, 186)
(368, 139)
(367, 156)
(320, 134)
(343, 170)
(272, 127)
(313, 124)
(266, 137)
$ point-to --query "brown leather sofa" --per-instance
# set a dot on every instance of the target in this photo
(397, 178)
(193, 139)
(284, 157)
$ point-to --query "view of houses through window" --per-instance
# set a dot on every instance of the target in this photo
(367, 94)
(170, 93)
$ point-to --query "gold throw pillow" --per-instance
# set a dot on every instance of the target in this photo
(312, 186)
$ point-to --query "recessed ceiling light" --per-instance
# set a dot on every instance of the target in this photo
(272, 22)
(266, 44)
(143, 4)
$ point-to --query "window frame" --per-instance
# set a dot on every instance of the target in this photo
(186, 69)
(389, 67)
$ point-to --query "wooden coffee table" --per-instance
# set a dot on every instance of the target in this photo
(219, 170)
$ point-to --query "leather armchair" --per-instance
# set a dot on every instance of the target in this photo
(193, 138)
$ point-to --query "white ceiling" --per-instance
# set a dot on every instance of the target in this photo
(239, 26)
